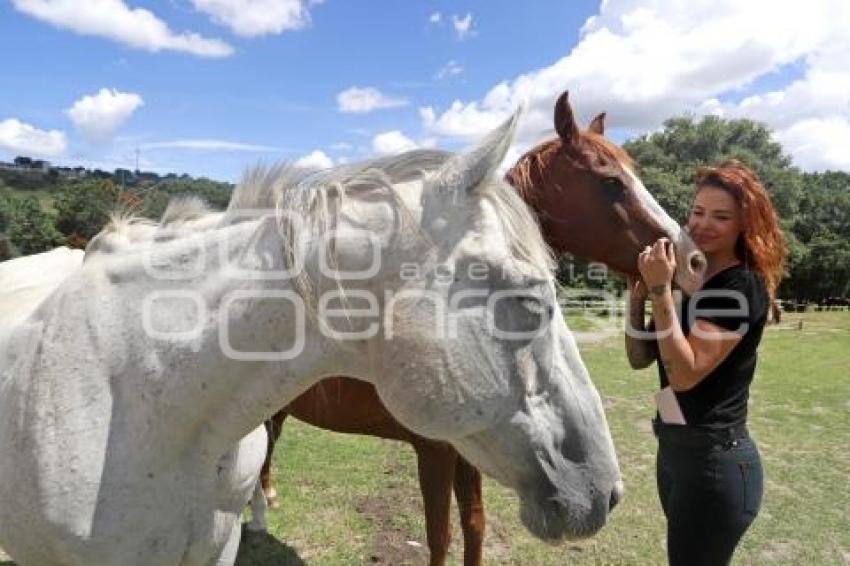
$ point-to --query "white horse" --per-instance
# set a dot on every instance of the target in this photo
(131, 396)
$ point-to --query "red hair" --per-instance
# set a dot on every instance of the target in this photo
(761, 244)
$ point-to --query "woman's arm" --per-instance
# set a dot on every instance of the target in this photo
(638, 350)
(686, 360)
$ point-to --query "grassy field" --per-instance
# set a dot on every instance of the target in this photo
(354, 500)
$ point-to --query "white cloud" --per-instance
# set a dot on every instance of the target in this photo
(23, 139)
(391, 143)
(435, 18)
(818, 144)
(470, 121)
(315, 160)
(463, 26)
(451, 69)
(212, 146)
(643, 61)
(810, 117)
(113, 19)
(361, 100)
(250, 18)
(98, 116)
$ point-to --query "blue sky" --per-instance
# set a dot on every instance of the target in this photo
(211, 86)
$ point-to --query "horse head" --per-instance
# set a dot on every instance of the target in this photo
(592, 204)
(480, 356)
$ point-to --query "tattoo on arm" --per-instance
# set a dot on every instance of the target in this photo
(658, 290)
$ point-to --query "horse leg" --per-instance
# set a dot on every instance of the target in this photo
(231, 547)
(259, 506)
(274, 426)
(467, 484)
(436, 463)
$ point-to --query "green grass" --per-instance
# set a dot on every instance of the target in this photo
(354, 500)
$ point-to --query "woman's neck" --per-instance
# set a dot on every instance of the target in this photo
(720, 261)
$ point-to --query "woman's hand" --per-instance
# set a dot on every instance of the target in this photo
(657, 263)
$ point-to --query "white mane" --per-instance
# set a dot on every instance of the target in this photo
(316, 200)
(184, 208)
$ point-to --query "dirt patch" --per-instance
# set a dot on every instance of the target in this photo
(393, 543)
(390, 544)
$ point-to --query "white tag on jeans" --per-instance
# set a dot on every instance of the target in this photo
(668, 407)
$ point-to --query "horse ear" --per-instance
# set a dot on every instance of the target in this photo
(565, 123)
(466, 170)
(597, 125)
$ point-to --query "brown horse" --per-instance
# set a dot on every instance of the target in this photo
(582, 187)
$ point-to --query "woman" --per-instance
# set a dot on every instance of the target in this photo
(708, 468)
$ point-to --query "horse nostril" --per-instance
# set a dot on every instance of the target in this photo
(616, 495)
(697, 262)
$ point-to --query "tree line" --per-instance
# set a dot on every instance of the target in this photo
(814, 208)
(37, 217)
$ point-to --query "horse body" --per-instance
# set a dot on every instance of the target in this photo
(136, 444)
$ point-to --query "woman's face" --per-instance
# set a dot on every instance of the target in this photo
(715, 221)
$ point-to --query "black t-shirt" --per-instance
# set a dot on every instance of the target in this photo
(736, 300)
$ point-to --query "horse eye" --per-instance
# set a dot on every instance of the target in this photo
(614, 188)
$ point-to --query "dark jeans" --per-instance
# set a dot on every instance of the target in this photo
(710, 486)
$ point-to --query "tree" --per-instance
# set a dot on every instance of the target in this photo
(7, 206)
(669, 159)
(83, 207)
(155, 202)
(822, 233)
(31, 229)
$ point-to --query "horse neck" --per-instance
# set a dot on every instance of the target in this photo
(163, 395)
(242, 392)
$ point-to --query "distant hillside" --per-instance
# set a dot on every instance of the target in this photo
(42, 206)
(28, 174)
